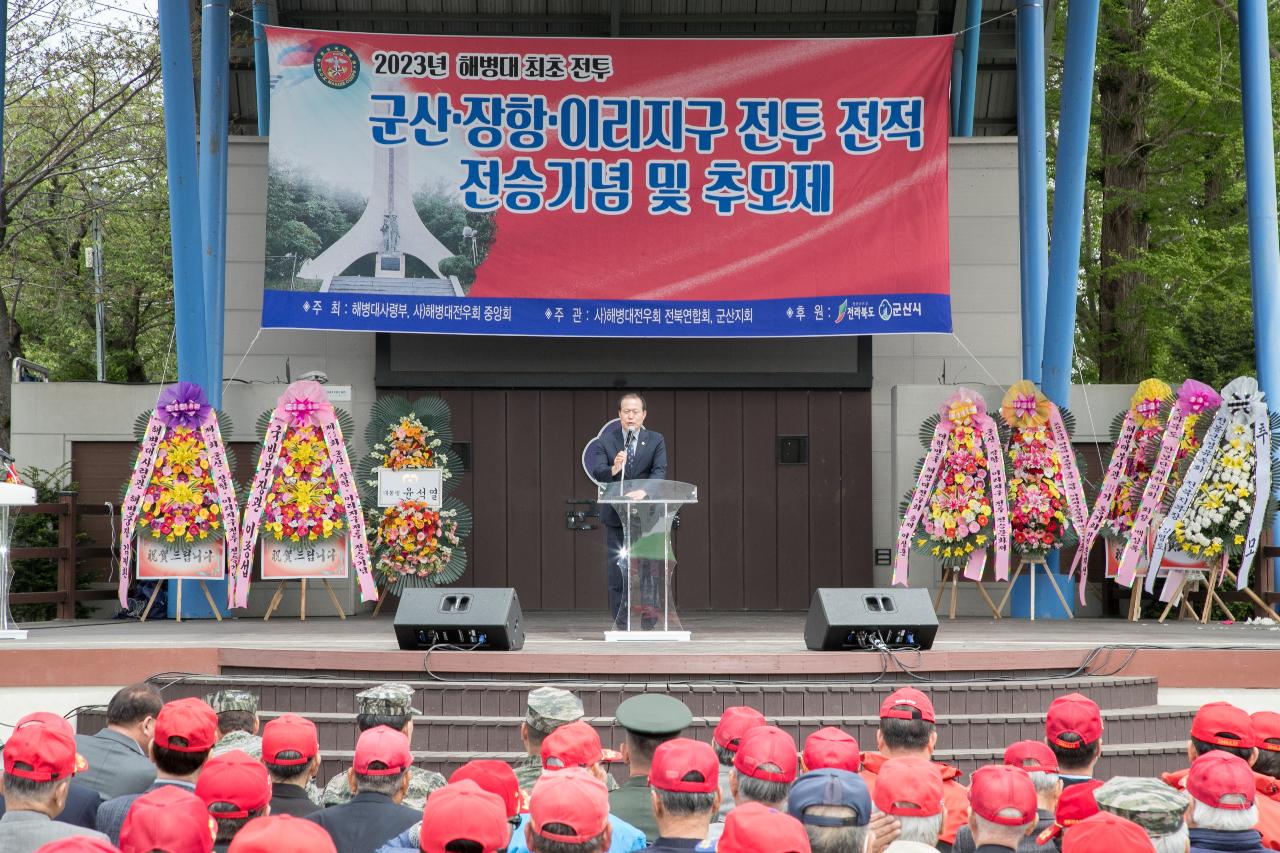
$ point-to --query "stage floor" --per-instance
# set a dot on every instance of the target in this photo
(761, 645)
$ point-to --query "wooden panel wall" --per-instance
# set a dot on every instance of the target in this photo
(763, 537)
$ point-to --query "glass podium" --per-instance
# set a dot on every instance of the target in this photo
(12, 496)
(648, 510)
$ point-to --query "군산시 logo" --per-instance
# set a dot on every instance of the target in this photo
(886, 310)
(336, 66)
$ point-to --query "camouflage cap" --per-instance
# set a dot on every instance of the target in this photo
(391, 699)
(233, 700)
(551, 707)
(1158, 808)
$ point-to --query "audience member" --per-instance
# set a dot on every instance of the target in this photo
(764, 767)
(82, 801)
(1222, 727)
(238, 724)
(389, 705)
(1003, 807)
(547, 709)
(1266, 732)
(734, 722)
(290, 750)
(1075, 805)
(684, 794)
(1151, 804)
(1106, 833)
(462, 817)
(830, 748)
(490, 775)
(1224, 813)
(834, 806)
(756, 828)
(908, 729)
(282, 834)
(170, 819)
(568, 813)
(379, 781)
(39, 761)
(576, 746)
(235, 788)
(1073, 730)
(649, 720)
(1042, 766)
(184, 732)
(911, 790)
(118, 755)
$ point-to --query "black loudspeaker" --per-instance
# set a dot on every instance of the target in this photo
(864, 619)
(486, 618)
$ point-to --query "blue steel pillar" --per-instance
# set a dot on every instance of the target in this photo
(215, 59)
(261, 66)
(969, 86)
(1033, 226)
(1260, 181)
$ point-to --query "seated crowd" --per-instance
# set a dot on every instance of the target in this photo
(192, 776)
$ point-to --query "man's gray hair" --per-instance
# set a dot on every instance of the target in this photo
(989, 832)
(1174, 842)
(925, 830)
(374, 784)
(1046, 783)
(762, 790)
(835, 839)
(1206, 816)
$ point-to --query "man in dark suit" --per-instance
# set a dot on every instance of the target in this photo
(625, 451)
(380, 779)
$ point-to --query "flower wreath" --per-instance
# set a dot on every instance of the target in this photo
(303, 491)
(414, 543)
(181, 489)
(1046, 494)
(958, 508)
(1225, 501)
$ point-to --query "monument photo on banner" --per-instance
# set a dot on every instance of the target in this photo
(608, 187)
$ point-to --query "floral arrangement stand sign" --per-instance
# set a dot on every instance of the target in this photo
(180, 500)
(304, 501)
(419, 530)
(958, 509)
(1047, 505)
(1135, 432)
(1225, 501)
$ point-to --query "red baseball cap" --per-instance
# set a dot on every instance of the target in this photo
(1076, 804)
(767, 745)
(1032, 756)
(384, 744)
(1222, 780)
(192, 720)
(734, 723)
(1073, 713)
(574, 744)
(1106, 833)
(756, 828)
(463, 811)
(908, 787)
(51, 719)
(1266, 730)
(677, 758)
(572, 797)
(282, 834)
(493, 776)
(78, 844)
(998, 788)
(234, 777)
(289, 733)
(832, 748)
(907, 703)
(169, 818)
(47, 752)
(1223, 724)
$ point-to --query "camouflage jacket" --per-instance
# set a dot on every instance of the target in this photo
(243, 741)
(421, 783)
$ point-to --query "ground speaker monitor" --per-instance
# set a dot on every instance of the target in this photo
(864, 619)
(483, 618)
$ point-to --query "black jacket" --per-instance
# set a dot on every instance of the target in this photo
(290, 800)
(649, 462)
(366, 823)
(1218, 841)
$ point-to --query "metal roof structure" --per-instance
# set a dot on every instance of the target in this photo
(994, 107)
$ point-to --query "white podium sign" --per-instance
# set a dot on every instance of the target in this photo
(425, 485)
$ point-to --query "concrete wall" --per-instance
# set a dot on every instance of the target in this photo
(909, 370)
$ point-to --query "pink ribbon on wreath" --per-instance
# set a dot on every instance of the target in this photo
(1072, 483)
(999, 503)
(142, 468)
(919, 501)
(1193, 399)
(1110, 485)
